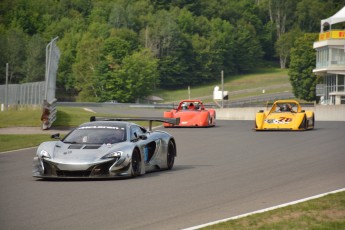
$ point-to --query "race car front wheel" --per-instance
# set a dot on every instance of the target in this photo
(171, 153)
(136, 163)
(304, 124)
(312, 122)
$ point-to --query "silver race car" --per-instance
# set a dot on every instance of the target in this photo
(106, 148)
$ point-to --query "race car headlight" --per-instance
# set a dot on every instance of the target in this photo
(116, 154)
(44, 154)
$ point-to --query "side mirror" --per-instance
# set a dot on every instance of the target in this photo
(142, 137)
(55, 136)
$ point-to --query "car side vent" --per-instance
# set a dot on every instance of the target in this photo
(75, 146)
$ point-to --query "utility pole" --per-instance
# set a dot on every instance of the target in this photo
(6, 88)
(222, 76)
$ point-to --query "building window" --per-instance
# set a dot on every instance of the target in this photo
(322, 57)
(342, 100)
(337, 56)
(341, 83)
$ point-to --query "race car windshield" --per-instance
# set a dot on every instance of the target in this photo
(96, 135)
(286, 107)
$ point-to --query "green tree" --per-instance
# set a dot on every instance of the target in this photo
(74, 35)
(308, 13)
(28, 15)
(165, 37)
(174, 71)
(65, 78)
(129, 14)
(35, 59)
(281, 16)
(13, 50)
(284, 45)
(114, 50)
(191, 40)
(301, 75)
(248, 50)
(127, 35)
(213, 44)
(65, 25)
(135, 79)
(85, 67)
(161, 33)
(267, 38)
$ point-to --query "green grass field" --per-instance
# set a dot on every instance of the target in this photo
(21, 116)
(263, 79)
(31, 117)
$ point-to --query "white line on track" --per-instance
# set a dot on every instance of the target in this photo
(89, 110)
(16, 150)
(264, 210)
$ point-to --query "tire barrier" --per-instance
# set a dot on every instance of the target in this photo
(49, 112)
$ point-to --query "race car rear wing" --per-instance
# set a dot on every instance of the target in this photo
(173, 121)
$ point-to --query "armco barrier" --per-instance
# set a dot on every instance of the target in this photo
(330, 112)
(322, 113)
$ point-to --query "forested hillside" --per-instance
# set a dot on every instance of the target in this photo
(125, 49)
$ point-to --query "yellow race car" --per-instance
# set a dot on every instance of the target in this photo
(285, 115)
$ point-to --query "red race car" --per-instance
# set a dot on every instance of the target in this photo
(192, 113)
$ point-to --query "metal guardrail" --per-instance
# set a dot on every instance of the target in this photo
(49, 113)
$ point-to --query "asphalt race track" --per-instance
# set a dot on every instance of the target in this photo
(219, 172)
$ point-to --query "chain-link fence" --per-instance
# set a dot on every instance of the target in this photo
(23, 94)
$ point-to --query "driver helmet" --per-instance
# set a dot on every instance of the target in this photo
(286, 107)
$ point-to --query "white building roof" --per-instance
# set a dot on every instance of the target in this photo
(336, 18)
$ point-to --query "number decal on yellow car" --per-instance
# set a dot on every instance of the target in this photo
(281, 120)
(285, 119)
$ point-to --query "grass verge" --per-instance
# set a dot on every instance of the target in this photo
(30, 117)
(18, 141)
(21, 116)
(327, 212)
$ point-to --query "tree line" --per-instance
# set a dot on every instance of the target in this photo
(125, 49)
